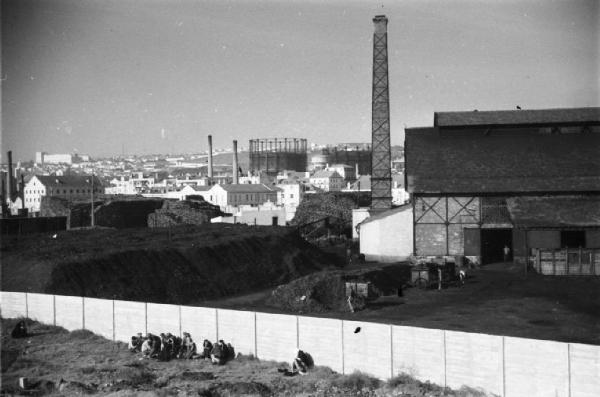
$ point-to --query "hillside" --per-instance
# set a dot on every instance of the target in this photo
(182, 264)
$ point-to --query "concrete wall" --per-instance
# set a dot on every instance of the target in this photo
(238, 328)
(200, 322)
(276, 336)
(503, 366)
(41, 308)
(419, 352)
(129, 319)
(69, 312)
(98, 316)
(389, 238)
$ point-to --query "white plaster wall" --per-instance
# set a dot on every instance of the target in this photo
(69, 312)
(40, 307)
(98, 316)
(585, 370)
(162, 319)
(474, 360)
(369, 350)
(200, 322)
(238, 328)
(322, 339)
(130, 318)
(419, 352)
(276, 336)
(388, 239)
(13, 304)
(358, 215)
(535, 368)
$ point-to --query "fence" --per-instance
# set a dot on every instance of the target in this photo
(501, 365)
(568, 262)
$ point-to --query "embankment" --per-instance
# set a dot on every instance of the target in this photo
(183, 265)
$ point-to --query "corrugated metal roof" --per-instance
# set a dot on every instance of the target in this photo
(517, 117)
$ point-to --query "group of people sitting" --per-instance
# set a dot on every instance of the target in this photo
(168, 346)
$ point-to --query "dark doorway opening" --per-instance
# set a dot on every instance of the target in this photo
(493, 242)
(275, 221)
(572, 238)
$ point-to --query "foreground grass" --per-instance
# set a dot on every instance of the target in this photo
(62, 363)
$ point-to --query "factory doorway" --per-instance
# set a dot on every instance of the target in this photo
(493, 242)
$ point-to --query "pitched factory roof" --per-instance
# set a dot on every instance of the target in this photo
(249, 188)
(507, 162)
(555, 211)
(67, 180)
(518, 117)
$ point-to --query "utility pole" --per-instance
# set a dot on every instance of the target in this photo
(92, 213)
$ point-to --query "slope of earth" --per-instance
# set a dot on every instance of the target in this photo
(61, 363)
(183, 264)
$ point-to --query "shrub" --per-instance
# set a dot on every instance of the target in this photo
(356, 381)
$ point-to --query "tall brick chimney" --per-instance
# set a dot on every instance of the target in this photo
(381, 174)
(235, 164)
(210, 151)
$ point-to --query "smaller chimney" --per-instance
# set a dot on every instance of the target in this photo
(9, 177)
(357, 175)
(210, 151)
(235, 164)
(22, 191)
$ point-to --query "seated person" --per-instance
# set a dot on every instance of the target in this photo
(147, 348)
(188, 347)
(207, 347)
(218, 354)
(135, 344)
(20, 330)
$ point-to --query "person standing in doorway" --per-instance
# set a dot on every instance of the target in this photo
(506, 251)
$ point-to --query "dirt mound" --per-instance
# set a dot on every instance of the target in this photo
(326, 291)
(190, 212)
(181, 265)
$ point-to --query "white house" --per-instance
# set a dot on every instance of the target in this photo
(387, 236)
(264, 215)
(329, 181)
(120, 186)
(236, 195)
(69, 187)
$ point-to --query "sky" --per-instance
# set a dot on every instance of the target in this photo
(106, 77)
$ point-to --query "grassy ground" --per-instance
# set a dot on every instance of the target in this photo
(58, 362)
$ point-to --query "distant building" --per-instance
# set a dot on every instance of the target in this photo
(226, 196)
(329, 181)
(264, 215)
(346, 171)
(70, 187)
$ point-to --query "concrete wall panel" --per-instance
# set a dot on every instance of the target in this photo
(369, 350)
(585, 370)
(535, 367)
(41, 308)
(322, 339)
(13, 304)
(69, 312)
(238, 328)
(474, 360)
(98, 316)
(130, 318)
(419, 352)
(276, 336)
(163, 318)
(200, 322)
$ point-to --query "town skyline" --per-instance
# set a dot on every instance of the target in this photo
(104, 78)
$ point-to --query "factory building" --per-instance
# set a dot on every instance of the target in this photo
(484, 180)
(272, 156)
